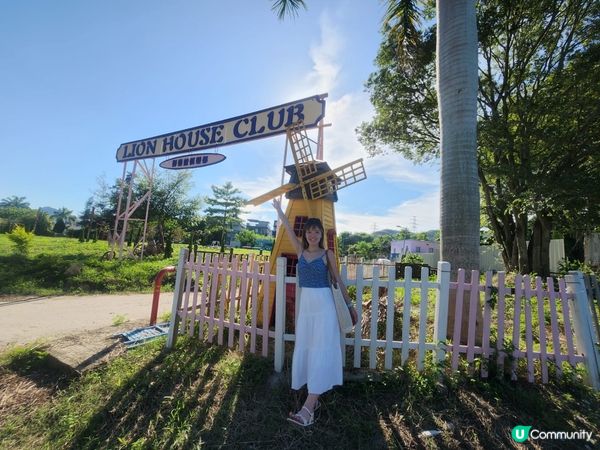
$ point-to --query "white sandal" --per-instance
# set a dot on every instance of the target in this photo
(299, 419)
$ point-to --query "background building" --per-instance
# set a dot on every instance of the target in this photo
(404, 246)
(259, 226)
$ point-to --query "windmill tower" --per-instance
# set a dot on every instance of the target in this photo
(312, 192)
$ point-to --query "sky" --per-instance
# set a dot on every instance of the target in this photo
(77, 79)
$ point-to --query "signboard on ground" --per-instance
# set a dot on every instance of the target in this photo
(193, 161)
(256, 125)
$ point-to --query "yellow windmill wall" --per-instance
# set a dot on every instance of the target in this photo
(321, 209)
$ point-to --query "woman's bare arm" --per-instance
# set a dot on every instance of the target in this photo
(296, 242)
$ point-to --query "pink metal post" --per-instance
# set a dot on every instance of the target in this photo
(156, 296)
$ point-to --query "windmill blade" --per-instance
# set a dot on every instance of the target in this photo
(303, 157)
(272, 194)
(336, 179)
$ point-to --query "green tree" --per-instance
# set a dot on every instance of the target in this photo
(66, 215)
(14, 202)
(537, 98)
(59, 226)
(169, 212)
(539, 111)
(196, 228)
(93, 225)
(382, 246)
(287, 7)
(22, 239)
(412, 258)
(43, 224)
(224, 210)
(248, 238)
(346, 239)
(363, 249)
(12, 216)
(170, 207)
(63, 219)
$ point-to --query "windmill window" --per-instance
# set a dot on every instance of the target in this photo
(299, 223)
(292, 261)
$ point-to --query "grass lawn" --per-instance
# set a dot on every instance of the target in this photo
(210, 397)
(60, 265)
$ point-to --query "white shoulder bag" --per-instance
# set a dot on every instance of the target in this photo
(341, 308)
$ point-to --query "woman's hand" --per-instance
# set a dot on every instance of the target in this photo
(277, 205)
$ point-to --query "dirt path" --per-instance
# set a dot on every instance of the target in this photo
(50, 318)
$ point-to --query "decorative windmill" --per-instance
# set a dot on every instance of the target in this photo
(311, 191)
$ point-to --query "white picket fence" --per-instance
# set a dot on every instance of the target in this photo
(227, 301)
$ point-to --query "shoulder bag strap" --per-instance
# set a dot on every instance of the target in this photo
(332, 280)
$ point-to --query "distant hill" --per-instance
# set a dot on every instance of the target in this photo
(386, 232)
(49, 210)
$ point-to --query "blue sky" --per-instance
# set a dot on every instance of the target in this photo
(77, 79)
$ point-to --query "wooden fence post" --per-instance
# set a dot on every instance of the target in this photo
(279, 313)
(177, 296)
(440, 324)
(583, 327)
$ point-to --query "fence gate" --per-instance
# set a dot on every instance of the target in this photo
(219, 298)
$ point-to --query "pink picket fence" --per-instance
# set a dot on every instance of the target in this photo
(217, 298)
(531, 320)
(522, 326)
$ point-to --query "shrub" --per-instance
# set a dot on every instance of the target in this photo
(412, 258)
(247, 238)
(566, 264)
(21, 239)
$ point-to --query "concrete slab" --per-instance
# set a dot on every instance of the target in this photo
(78, 330)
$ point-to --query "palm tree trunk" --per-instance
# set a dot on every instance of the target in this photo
(457, 100)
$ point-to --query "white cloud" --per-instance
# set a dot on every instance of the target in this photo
(395, 168)
(256, 186)
(423, 210)
(345, 114)
(324, 55)
(342, 146)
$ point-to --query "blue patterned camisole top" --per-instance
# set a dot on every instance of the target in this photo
(312, 274)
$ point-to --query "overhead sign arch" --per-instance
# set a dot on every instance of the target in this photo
(256, 125)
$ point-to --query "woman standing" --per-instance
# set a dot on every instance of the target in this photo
(317, 360)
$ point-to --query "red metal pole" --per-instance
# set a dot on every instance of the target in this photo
(156, 296)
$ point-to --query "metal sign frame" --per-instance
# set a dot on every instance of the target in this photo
(261, 124)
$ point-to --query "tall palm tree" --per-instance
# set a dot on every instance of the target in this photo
(457, 78)
(65, 214)
(14, 202)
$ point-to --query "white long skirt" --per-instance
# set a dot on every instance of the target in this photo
(317, 359)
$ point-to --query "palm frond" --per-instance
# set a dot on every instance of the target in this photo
(287, 8)
(400, 22)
